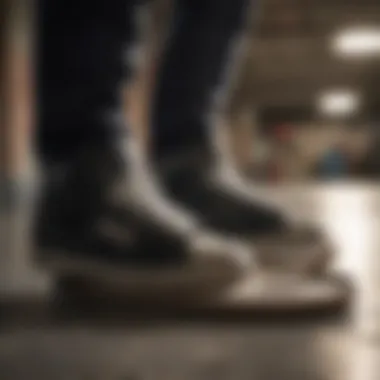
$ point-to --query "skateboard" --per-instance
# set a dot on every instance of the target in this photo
(271, 293)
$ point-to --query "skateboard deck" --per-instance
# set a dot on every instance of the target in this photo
(255, 294)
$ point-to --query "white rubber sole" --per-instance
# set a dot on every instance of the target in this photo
(302, 258)
(283, 292)
(184, 278)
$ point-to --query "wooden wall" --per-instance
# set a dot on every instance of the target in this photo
(4, 130)
(16, 88)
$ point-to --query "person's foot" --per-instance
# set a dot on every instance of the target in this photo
(228, 205)
(103, 215)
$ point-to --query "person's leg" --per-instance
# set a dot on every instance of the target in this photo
(190, 92)
(203, 34)
(80, 71)
(100, 206)
(201, 46)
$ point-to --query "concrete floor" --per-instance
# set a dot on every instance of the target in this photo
(76, 349)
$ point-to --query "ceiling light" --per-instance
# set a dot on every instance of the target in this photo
(357, 42)
(338, 103)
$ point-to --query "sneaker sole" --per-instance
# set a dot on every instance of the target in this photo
(182, 278)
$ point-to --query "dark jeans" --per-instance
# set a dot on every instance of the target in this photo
(81, 68)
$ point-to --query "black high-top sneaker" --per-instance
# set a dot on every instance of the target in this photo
(103, 216)
(226, 203)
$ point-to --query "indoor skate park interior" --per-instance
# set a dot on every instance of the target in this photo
(302, 121)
